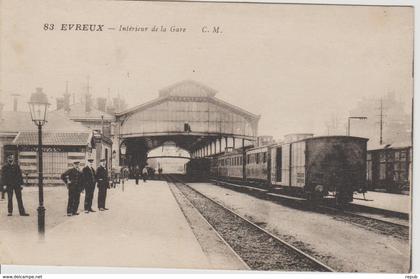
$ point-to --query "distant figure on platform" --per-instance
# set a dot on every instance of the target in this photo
(103, 184)
(3, 191)
(160, 170)
(88, 183)
(151, 173)
(144, 173)
(137, 173)
(12, 180)
(72, 178)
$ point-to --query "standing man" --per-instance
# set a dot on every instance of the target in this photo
(137, 174)
(144, 173)
(72, 178)
(88, 183)
(13, 180)
(103, 184)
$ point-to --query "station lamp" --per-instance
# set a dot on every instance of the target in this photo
(38, 106)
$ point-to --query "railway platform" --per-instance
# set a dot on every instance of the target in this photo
(144, 227)
(392, 202)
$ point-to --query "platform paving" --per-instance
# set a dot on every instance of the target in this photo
(394, 202)
(143, 228)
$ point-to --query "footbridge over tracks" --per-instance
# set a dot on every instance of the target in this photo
(188, 114)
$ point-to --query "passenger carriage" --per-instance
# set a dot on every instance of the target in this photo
(314, 167)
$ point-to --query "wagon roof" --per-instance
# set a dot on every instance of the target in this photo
(322, 137)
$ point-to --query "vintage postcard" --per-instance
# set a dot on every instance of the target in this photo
(206, 135)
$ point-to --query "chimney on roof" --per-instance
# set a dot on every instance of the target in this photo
(60, 103)
(66, 102)
(15, 101)
(101, 103)
(88, 102)
(1, 111)
(88, 97)
(66, 98)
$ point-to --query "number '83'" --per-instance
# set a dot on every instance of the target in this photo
(48, 26)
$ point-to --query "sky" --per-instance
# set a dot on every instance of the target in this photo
(295, 65)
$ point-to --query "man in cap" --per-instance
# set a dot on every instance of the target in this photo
(13, 180)
(88, 183)
(72, 178)
(103, 184)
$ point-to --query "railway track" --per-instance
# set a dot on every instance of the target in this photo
(371, 223)
(258, 248)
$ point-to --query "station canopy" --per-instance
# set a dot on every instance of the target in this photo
(189, 114)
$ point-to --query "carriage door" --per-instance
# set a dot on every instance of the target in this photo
(278, 164)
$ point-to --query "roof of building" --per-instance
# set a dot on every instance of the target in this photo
(20, 121)
(54, 138)
(189, 89)
(78, 112)
(396, 145)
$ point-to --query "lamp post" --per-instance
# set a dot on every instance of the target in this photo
(123, 150)
(38, 105)
(353, 117)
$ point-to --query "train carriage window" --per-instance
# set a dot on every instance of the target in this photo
(264, 157)
(247, 159)
(382, 157)
(403, 155)
(382, 171)
(258, 158)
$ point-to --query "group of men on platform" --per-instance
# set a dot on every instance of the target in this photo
(77, 181)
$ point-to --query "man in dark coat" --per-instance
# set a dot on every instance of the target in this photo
(12, 179)
(88, 183)
(103, 184)
(3, 191)
(72, 178)
(137, 173)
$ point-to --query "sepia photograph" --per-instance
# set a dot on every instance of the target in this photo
(206, 136)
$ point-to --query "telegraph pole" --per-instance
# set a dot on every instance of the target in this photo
(381, 123)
